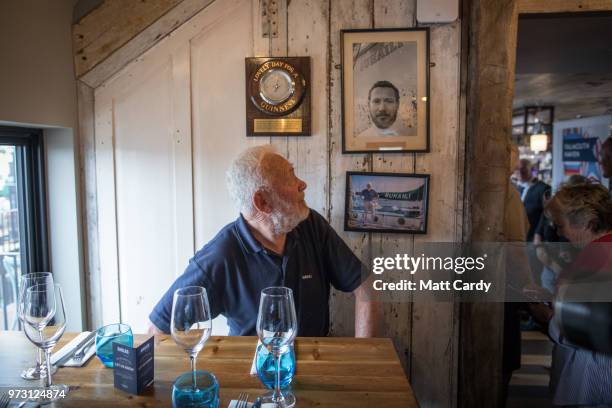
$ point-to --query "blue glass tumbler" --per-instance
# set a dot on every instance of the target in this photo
(205, 395)
(107, 335)
(266, 367)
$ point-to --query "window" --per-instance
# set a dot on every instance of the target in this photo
(23, 225)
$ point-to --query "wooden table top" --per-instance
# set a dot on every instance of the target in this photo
(331, 371)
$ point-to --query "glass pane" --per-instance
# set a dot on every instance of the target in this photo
(518, 120)
(544, 115)
(531, 115)
(10, 257)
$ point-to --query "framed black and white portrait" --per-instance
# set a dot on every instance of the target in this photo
(385, 90)
(386, 202)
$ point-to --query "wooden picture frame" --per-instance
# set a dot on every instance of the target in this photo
(386, 202)
(385, 90)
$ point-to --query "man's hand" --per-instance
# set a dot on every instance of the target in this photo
(153, 329)
(368, 313)
(541, 313)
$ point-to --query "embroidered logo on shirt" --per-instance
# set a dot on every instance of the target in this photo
(306, 276)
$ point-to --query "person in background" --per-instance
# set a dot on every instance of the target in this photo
(551, 248)
(532, 191)
(276, 241)
(583, 215)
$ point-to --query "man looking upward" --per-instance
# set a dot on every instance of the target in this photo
(383, 104)
(276, 241)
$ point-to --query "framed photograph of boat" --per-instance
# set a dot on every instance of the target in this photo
(386, 202)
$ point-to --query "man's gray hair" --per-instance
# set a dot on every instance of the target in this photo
(245, 176)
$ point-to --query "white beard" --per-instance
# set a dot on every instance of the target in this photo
(285, 216)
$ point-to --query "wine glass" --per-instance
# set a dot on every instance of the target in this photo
(44, 318)
(276, 328)
(25, 281)
(191, 323)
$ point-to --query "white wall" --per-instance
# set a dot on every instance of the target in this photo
(37, 84)
(38, 89)
(62, 211)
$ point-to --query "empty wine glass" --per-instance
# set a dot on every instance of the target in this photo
(44, 324)
(191, 322)
(25, 281)
(277, 328)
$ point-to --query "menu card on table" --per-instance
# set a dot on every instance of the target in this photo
(134, 367)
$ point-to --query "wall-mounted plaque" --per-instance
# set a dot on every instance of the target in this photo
(278, 96)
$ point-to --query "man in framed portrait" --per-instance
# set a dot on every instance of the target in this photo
(383, 104)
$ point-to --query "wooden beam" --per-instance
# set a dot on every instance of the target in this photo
(87, 170)
(491, 49)
(562, 6)
(110, 26)
(118, 32)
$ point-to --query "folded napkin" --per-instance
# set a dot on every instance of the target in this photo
(254, 363)
(234, 404)
(68, 348)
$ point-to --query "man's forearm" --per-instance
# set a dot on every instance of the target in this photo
(153, 329)
(368, 313)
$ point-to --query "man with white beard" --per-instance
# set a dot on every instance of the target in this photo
(276, 241)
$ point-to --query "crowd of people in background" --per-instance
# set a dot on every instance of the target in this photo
(578, 219)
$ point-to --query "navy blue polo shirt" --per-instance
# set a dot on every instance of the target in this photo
(234, 268)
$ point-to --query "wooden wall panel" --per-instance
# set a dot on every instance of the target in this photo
(144, 173)
(398, 309)
(209, 73)
(434, 359)
(182, 170)
(151, 173)
(344, 15)
(309, 36)
(110, 26)
(111, 59)
(107, 210)
(87, 164)
(219, 125)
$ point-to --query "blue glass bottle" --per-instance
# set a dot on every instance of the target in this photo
(266, 367)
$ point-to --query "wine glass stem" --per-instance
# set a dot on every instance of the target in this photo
(41, 366)
(277, 390)
(192, 357)
(48, 358)
(39, 359)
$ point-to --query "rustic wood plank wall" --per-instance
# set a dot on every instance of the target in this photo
(424, 333)
(111, 25)
(344, 15)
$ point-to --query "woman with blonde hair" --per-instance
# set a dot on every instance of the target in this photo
(583, 214)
